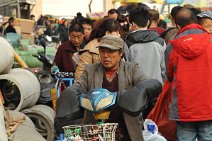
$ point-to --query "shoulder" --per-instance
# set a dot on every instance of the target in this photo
(160, 41)
(64, 45)
(91, 46)
(129, 65)
(92, 67)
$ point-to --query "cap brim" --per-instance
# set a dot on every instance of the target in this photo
(108, 46)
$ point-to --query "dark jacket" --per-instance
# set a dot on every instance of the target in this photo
(63, 58)
(10, 29)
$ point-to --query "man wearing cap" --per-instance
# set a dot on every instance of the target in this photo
(205, 20)
(116, 75)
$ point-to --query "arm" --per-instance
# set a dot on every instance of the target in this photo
(134, 100)
(59, 58)
(168, 63)
(81, 85)
(162, 64)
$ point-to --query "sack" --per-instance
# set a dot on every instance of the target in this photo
(160, 113)
(150, 132)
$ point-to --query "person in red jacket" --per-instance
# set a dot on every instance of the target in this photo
(189, 68)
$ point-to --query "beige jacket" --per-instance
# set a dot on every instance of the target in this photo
(90, 55)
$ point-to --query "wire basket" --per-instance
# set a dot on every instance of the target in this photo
(96, 132)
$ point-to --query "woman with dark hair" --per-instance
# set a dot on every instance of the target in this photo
(90, 53)
(63, 31)
(124, 23)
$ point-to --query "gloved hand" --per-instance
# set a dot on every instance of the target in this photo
(54, 69)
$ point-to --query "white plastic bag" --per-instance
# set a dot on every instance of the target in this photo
(150, 132)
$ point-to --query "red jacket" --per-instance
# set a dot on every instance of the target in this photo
(190, 70)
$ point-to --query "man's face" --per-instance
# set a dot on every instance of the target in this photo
(110, 58)
(76, 38)
(207, 24)
(87, 30)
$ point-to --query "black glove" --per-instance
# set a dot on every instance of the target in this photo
(135, 100)
(68, 104)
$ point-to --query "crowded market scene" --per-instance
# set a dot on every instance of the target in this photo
(105, 70)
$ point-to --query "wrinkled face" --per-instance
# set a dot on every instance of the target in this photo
(207, 24)
(76, 38)
(87, 30)
(110, 58)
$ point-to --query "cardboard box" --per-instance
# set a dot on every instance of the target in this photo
(26, 26)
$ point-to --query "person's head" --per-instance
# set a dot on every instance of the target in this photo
(196, 11)
(113, 14)
(52, 25)
(123, 21)
(154, 17)
(185, 17)
(205, 20)
(124, 24)
(162, 24)
(188, 6)
(111, 51)
(65, 23)
(88, 26)
(11, 21)
(138, 18)
(32, 17)
(105, 27)
(174, 12)
(76, 34)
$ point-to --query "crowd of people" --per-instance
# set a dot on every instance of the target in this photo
(125, 53)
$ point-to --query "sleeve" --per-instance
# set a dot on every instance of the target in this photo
(59, 58)
(81, 84)
(126, 52)
(85, 58)
(168, 63)
(134, 100)
(162, 64)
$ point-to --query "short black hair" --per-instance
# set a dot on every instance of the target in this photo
(32, 16)
(88, 21)
(139, 16)
(196, 11)
(77, 27)
(185, 17)
(11, 19)
(113, 11)
(175, 10)
(105, 25)
(162, 24)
